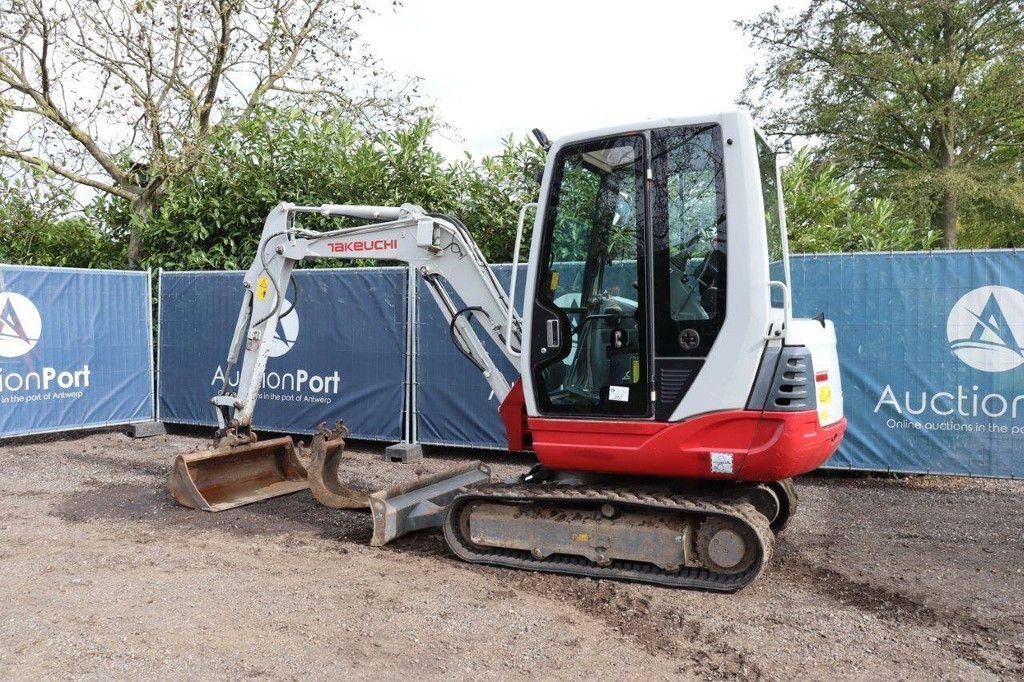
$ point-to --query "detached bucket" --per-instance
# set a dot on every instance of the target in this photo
(236, 475)
(326, 452)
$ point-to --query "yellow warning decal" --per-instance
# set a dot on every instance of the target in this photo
(554, 280)
(581, 537)
(825, 394)
(261, 287)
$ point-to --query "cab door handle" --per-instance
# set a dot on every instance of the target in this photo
(554, 330)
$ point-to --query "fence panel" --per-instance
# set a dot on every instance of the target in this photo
(75, 349)
(930, 346)
(453, 403)
(340, 355)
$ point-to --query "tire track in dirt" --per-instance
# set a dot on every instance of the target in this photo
(901, 609)
(660, 631)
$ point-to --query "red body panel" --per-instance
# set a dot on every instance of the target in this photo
(513, 414)
(765, 446)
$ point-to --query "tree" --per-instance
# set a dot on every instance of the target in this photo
(825, 213)
(121, 96)
(492, 191)
(212, 217)
(923, 100)
(35, 230)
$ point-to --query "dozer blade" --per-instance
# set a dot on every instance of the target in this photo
(406, 507)
(231, 476)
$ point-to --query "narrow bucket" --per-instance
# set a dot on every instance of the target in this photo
(240, 474)
(326, 452)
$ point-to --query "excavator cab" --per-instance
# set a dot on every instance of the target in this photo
(633, 256)
(659, 302)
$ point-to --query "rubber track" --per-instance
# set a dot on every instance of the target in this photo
(556, 495)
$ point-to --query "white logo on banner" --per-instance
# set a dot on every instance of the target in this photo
(287, 332)
(20, 325)
(986, 328)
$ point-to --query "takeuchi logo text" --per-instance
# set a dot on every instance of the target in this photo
(365, 245)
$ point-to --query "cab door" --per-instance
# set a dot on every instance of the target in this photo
(589, 345)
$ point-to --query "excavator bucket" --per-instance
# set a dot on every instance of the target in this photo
(231, 476)
(400, 509)
(325, 483)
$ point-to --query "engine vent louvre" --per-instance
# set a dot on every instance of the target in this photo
(673, 379)
(793, 386)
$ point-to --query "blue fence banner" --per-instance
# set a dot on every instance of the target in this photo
(930, 347)
(76, 349)
(341, 354)
(453, 401)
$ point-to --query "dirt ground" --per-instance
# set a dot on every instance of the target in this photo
(103, 575)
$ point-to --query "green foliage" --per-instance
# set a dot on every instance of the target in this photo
(33, 232)
(491, 193)
(826, 213)
(920, 101)
(574, 220)
(212, 218)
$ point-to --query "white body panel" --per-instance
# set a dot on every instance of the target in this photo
(725, 381)
(821, 342)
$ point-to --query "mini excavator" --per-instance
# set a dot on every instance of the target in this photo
(665, 388)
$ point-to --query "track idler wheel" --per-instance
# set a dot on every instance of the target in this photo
(726, 545)
(785, 490)
(327, 450)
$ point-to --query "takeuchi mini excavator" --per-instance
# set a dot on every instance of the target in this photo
(664, 387)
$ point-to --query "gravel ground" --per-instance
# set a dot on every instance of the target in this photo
(103, 575)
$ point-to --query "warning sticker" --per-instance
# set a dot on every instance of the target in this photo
(721, 462)
(618, 393)
(261, 287)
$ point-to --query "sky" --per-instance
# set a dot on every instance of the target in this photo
(494, 68)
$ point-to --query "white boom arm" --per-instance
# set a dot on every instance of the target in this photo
(439, 247)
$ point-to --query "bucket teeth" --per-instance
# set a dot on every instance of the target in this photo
(232, 476)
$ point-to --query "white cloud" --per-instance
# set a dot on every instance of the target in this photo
(494, 68)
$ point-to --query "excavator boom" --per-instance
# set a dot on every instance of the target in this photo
(244, 470)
